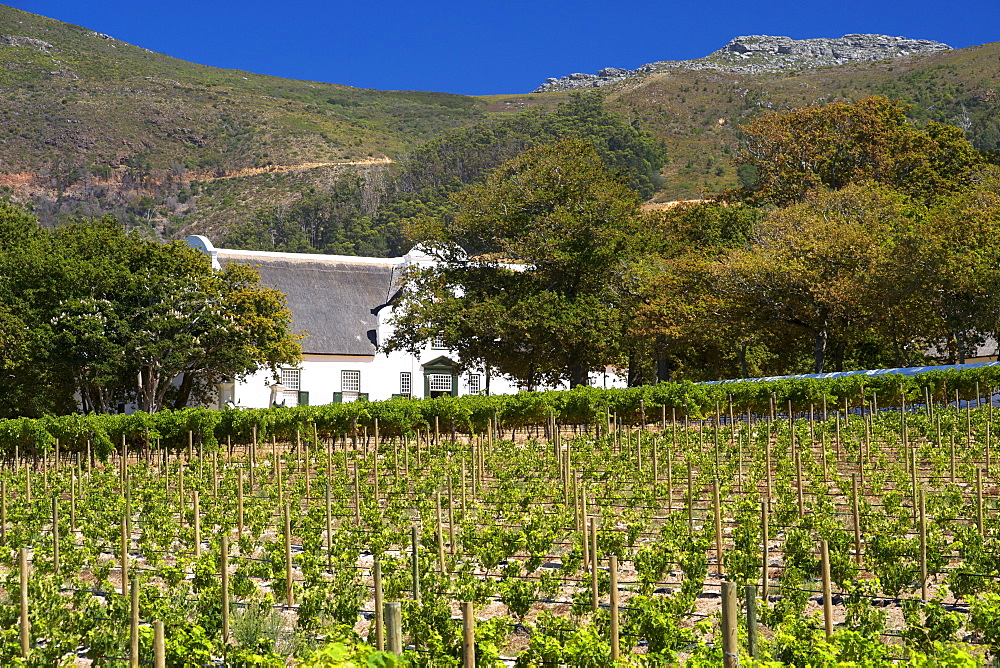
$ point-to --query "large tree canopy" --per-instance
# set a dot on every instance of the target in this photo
(531, 268)
(112, 318)
(788, 155)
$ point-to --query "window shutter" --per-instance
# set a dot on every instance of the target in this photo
(338, 397)
(303, 398)
(362, 396)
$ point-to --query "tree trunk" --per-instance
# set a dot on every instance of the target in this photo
(744, 371)
(664, 370)
(184, 391)
(578, 375)
(640, 370)
(838, 356)
(819, 350)
(960, 345)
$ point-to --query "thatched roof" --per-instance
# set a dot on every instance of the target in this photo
(333, 299)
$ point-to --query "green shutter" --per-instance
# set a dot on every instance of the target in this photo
(338, 397)
(454, 384)
(362, 396)
(303, 398)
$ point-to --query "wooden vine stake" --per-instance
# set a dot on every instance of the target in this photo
(377, 584)
(690, 499)
(765, 548)
(451, 517)
(415, 562)
(394, 626)
(124, 556)
(799, 485)
(717, 511)
(25, 623)
(923, 547)
(827, 589)
(196, 507)
(73, 482)
(468, 636)
(288, 557)
(357, 492)
(855, 510)
(133, 653)
(594, 563)
(582, 527)
(730, 646)
(55, 534)
(375, 464)
(440, 533)
(224, 574)
(979, 502)
(329, 530)
(159, 646)
(180, 494)
(239, 505)
(751, 604)
(615, 650)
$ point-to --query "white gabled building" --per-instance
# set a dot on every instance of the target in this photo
(342, 304)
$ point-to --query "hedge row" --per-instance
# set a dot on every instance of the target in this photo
(583, 405)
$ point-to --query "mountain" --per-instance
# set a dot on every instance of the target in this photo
(697, 113)
(92, 125)
(759, 54)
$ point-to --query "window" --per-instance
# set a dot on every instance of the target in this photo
(405, 383)
(291, 380)
(474, 383)
(437, 343)
(350, 381)
(440, 382)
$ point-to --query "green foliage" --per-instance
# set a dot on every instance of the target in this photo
(834, 145)
(351, 655)
(582, 405)
(116, 318)
(557, 213)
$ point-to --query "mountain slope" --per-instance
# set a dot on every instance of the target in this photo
(698, 113)
(83, 94)
(92, 125)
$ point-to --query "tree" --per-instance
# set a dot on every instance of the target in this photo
(531, 269)
(676, 309)
(792, 154)
(957, 264)
(119, 318)
(830, 268)
(29, 287)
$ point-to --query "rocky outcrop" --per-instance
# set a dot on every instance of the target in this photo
(30, 42)
(758, 54)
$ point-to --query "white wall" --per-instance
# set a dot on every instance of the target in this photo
(380, 379)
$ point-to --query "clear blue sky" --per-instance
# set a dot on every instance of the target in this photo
(486, 46)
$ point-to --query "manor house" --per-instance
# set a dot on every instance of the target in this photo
(343, 305)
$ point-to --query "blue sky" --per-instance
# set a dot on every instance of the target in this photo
(488, 46)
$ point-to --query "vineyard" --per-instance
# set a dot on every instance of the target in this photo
(799, 523)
